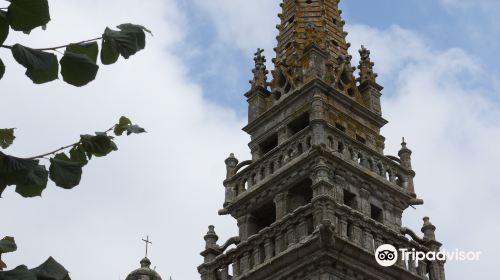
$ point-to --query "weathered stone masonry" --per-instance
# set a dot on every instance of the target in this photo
(318, 195)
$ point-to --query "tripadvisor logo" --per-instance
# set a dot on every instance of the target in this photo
(387, 255)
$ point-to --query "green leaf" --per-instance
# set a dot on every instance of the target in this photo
(4, 27)
(41, 67)
(78, 69)
(35, 181)
(99, 145)
(125, 125)
(25, 15)
(7, 245)
(109, 52)
(51, 270)
(6, 137)
(78, 154)
(89, 49)
(19, 273)
(27, 175)
(64, 172)
(2, 69)
(127, 41)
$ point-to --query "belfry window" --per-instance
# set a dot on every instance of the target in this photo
(340, 127)
(299, 123)
(300, 195)
(350, 199)
(270, 143)
(264, 217)
(376, 213)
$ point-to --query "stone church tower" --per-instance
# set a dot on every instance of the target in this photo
(318, 196)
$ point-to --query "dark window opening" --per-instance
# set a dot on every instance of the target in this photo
(269, 144)
(291, 20)
(360, 139)
(330, 142)
(350, 199)
(264, 217)
(300, 195)
(351, 92)
(334, 20)
(340, 147)
(300, 148)
(376, 213)
(340, 127)
(349, 229)
(299, 123)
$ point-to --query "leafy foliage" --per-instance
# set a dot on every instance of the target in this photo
(126, 42)
(2, 69)
(4, 27)
(25, 15)
(78, 65)
(6, 137)
(41, 67)
(125, 125)
(30, 177)
(7, 245)
(79, 61)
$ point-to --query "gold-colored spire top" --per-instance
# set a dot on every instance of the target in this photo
(306, 22)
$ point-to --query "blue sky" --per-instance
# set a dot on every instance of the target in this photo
(437, 60)
(443, 24)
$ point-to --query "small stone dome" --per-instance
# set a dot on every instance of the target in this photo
(145, 272)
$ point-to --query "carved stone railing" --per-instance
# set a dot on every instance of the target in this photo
(368, 234)
(359, 154)
(296, 229)
(270, 163)
(261, 248)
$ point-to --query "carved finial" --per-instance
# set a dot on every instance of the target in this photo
(405, 155)
(259, 72)
(211, 238)
(231, 163)
(429, 230)
(366, 67)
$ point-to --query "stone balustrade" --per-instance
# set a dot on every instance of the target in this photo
(354, 227)
(355, 152)
(262, 247)
(270, 163)
(359, 154)
(296, 228)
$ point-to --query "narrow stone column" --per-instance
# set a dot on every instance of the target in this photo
(281, 203)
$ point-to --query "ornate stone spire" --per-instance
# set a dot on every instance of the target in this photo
(306, 22)
(259, 72)
(365, 67)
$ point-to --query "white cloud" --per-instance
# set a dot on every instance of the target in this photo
(167, 183)
(441, 107)
(244, 24)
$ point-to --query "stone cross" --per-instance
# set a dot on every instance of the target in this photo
(147, 244)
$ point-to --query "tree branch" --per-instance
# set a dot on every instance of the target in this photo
(64, 148)
(58, 47)
(53, 152)
(64, 46)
